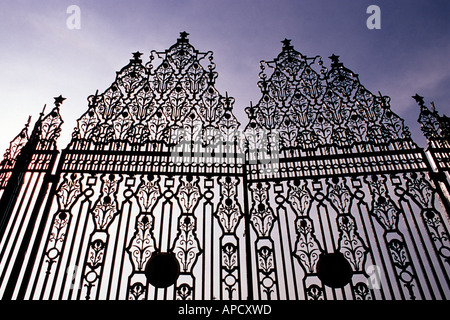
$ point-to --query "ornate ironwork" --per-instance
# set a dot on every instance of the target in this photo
(344, 178)
(436, 129)
(159, 196)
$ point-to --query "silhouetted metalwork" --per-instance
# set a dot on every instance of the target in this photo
(436, 129)
(323, 195)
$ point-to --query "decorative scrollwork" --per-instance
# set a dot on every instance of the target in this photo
(383, 208)
(67, 194)
(188, 193)
(339, 195)
(68, 191)
(262, 215)
(362, 291)
(137, 292)
(402, 262)
(323, 108)
(419, 189)
(229, 211)
(265, 258)
(300, 197)
(307, 247)
(314, 292)
(433, 125)
(266, 266)
(351, 245)
(438, 233)
(184, 292)
(230, 266)
(50, 129)
(148, 103)
(143, 242)
(106, 207)
(148, 193)
(187, 245)
(11, 154)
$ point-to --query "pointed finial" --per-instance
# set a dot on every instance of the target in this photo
(286, 44)
(28, 122)
(419, 99)
(183, 36)
(136, 57)
(334, 58)
(59, 100)
(227, 101)
(43, 110)
(335, 61)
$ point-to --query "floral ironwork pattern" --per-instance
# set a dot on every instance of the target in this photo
(150, 103)
(300, 197)
(229, 211)
(230, 265)
(106, 207)
(68, 192)
(433, 125)
(314, 292)
(383, 208)
(420, 191)
(262, 215)
(313, 107)
(362, 291)
(155, 165)
(142, 245)
(186, 245)
(351, 245)
(11, 154)
(137, 291)
(307, 248)
(436, 129)
(266, 270)
(103, 214)
(402, 262)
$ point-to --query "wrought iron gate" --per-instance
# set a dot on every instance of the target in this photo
(323, 195)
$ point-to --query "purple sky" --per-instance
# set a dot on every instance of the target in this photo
(41, 58)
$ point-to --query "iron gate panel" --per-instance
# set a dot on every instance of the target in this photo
(157, 170)
(348, 180)
(134, 228)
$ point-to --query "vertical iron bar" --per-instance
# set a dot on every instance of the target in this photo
(247, 231)
(12, 282)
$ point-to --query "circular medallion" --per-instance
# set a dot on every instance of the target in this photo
(334, 270)
(162, 269)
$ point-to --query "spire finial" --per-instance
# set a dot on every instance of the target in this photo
(286, 44)
(136, 57)
(183, 36)
(28, 122)
(335, 61)
(419, 99)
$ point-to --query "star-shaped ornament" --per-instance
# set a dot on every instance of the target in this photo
(419, 99)
(286, 43)
(59, 100)
(184, 35)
